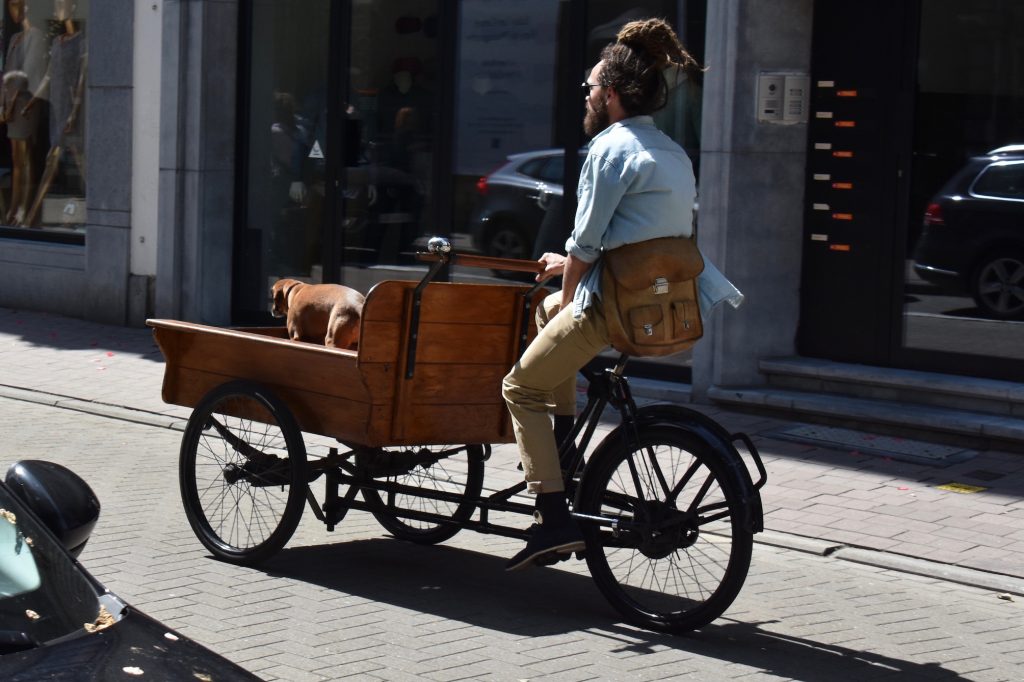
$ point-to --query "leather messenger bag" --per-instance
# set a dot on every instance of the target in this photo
(650, 293)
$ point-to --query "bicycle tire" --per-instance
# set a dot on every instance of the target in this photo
(682, 576)
(467, 482)
(242, 473)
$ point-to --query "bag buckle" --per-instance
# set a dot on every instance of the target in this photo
(648, 330)
(660, 286)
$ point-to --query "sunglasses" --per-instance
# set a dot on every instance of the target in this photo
(586, 87)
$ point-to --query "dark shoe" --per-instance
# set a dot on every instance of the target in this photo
(555, 532)
(547, 544)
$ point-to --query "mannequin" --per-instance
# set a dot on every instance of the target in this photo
(25, 66)
(64, 86)
(402, 93)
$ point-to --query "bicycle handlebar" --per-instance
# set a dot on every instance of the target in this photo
(489, 262)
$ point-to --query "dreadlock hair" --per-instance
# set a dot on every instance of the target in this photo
(635, 63)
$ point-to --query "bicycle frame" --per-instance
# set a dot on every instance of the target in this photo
(608, 388)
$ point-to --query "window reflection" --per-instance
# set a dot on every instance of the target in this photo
(965, 277)
(391, 137)
(285, 174)
(509, 164)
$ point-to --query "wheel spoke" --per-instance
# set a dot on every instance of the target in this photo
(682, 554)
(232, 467)
(683, 481)
(449, 470)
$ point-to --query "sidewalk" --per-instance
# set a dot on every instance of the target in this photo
(832, 501)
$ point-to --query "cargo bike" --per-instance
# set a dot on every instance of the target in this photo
(403, 427)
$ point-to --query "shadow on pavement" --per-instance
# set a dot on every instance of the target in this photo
(63, 333)
(473, 588)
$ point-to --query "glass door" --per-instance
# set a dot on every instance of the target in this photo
(963, 305)
(391, 136)
(281, 162)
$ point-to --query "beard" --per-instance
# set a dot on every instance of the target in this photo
(596, 118)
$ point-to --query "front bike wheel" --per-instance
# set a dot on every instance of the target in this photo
(453, 470)
(679, 552)
(242, 472)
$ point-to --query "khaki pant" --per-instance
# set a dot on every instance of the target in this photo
(546, 376)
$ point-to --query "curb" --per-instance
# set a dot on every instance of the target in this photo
(894, 562)
(127, 414)
(789, 541)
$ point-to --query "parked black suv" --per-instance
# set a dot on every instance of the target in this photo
(973, 238)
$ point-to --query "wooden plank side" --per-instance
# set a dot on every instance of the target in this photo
(462, 343)
(384, 302)
(301, 366)
(458, 384)
(273, 332)
(327, 374)
(440, 424)
(472, 303)
(448, 302)
(167, 342)
(454, 301)
(379, 340)
(468, 339)
(332, 416)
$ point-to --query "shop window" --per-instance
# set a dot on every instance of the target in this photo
(42, 116)
(392, 113)
(513, 100)
(286, 151)
(963, 306)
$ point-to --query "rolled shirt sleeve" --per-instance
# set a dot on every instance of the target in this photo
(601, 188)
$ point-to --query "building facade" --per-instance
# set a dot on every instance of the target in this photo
(226, 143)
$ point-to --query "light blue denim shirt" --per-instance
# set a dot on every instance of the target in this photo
(636, 184)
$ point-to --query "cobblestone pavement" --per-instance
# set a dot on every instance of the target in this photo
(360, 604)
(885, 509)
(895, 576)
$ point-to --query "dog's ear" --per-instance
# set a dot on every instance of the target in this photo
(289, 285)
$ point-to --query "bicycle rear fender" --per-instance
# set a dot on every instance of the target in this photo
(721, 441)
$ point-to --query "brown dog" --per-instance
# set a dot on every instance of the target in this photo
(329, 312)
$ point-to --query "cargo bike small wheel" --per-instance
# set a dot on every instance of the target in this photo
(678, 551)
(242, 472)
(454, 472)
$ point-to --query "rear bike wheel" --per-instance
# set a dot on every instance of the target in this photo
(242, 473)
(681, 552)
(454, 470)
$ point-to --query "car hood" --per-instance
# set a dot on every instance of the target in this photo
(134, 648)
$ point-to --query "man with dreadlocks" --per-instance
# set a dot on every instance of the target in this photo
(636, 184)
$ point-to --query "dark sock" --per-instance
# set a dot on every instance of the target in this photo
(553, 508)
(563, 427)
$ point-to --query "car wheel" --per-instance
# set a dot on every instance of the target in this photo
(507, 241)
(998, 285)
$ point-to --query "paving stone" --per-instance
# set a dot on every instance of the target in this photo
(337, 605)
